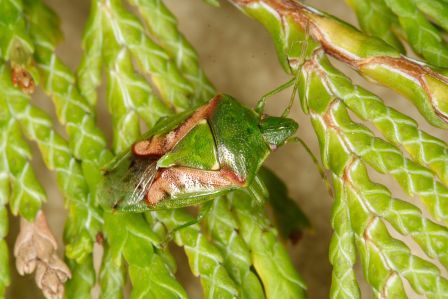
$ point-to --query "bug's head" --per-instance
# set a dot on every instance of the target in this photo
(277, 130)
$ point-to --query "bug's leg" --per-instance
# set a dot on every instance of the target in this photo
(259, 108)
(315, 161)
(292, 98)
(300, 63)
(205, 209)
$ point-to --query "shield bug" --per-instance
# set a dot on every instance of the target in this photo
(192, 157)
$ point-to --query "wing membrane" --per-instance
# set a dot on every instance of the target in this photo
(126, 184)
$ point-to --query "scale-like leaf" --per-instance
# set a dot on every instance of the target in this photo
(163, 26)
(424, 38)
(224, 229)
(130, 237)
(4, 196)
(149, 56)
(376, 19)
(269, 257)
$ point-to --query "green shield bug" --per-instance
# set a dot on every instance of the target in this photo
(190, 158)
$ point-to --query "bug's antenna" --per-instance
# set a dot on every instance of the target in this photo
(316, 162)
(301, 62)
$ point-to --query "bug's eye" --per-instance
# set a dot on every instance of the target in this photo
(276, 130)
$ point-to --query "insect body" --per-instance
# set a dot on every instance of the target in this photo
(192, 157)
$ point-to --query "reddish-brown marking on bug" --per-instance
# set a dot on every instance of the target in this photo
(157, 146)
(21, 78)
(176, 179)
(232, 176)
